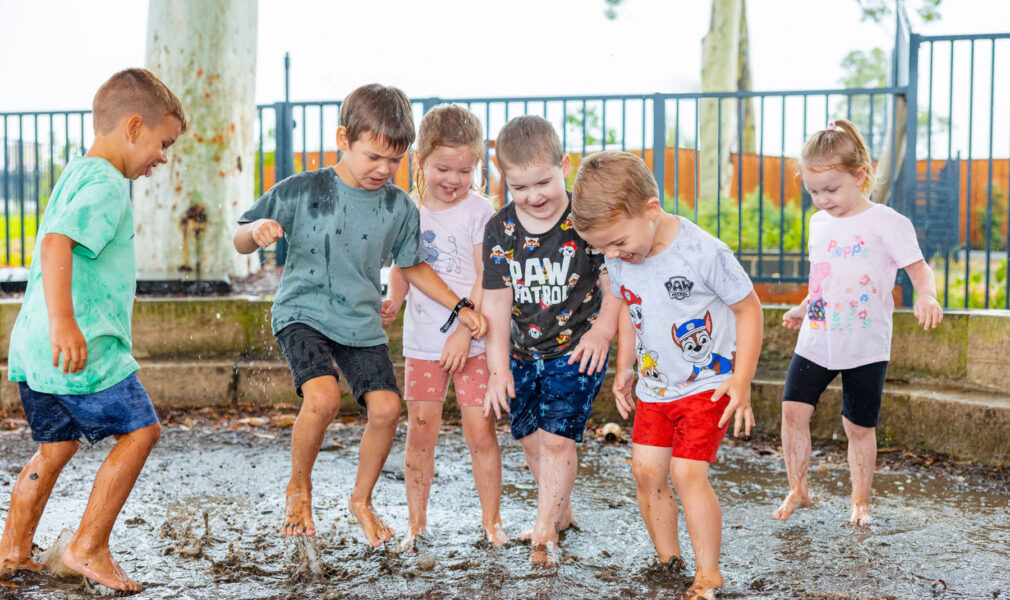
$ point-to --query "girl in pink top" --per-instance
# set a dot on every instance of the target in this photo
(856, 248)
(453, 214)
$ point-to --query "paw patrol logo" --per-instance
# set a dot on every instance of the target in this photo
(679, 287)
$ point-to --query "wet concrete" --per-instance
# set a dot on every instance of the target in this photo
(203, 523)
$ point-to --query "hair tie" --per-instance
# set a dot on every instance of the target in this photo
(831, 126)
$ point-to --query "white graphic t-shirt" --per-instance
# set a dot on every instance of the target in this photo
(679, 302)
(448, 237)
(853, 261)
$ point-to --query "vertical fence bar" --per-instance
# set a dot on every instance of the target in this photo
(643, 131)
(782, 192)
(911, 131)
(804, 200)
(676, 156)
(761, 191)
(872, 99)
(603, 130)
(659, 144)
(66, 139)
(6, 193)
(929, 141)
(950, 156)
(988, 204)
(487, 153)
(35, 192)
(52, 166)
(322, 143)
(584, 119)
(718, 170)
(84, 149)
(739, 176)
(624, 121)
(967, 212)
(21, 183)
(697, 136)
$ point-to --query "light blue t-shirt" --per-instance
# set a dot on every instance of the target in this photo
(339, 237)
(90, 205)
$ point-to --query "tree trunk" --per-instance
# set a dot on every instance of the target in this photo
(881, 191)
(719, 73)
(748, 143)
(186, 212)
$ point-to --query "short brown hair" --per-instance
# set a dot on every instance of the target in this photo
(610, 185)
(839, 146)
(384, 111)
(526, 141)
(447, 125)
(134, 92)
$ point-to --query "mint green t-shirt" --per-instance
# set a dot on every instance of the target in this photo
(91, 205)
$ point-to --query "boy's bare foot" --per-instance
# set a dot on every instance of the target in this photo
(101, 568)
(408, 544)
(567, 523)
(795, 499)
(298, 515)
(860, 514)
(376, 531)
(496, 534)
(545, 555)
(10, 567)
(698, 591)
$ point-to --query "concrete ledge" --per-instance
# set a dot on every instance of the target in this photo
(188, 383)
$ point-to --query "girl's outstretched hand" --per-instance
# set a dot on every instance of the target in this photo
(928, 311)
(793, 318)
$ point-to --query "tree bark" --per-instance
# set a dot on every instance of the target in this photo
(186, 212)
(719, 73)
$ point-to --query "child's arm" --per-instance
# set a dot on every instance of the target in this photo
(926, 307)
(57, 274)
(749, 328)
(624, 378)
(424, 278)
(793, 318)
(257, 234)
(457, 346)
(397, 291)
(593, 347)
(497, 304)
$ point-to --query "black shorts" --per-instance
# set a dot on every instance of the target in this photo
(862, 388)
(311, 354)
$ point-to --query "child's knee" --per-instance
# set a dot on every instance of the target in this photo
(383, 409)
(858, 432)
(556, 444)
(649, 475)
(59, 451)
(689, 474)
(482, 441)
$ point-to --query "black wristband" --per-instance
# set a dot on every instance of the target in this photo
(464, 303)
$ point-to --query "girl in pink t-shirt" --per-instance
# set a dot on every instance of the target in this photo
(856, 248)
(453, 214)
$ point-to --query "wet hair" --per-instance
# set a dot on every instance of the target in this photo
(610, 185)
(380, 110)
(839, 146)
(527, 141)
(134, 92)
(447, 125)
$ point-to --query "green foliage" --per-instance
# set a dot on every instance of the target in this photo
(955, 291)
(878, 10)
(997, 238)
(593, 125)
(773, 227)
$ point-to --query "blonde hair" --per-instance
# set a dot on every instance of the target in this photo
(447, 125)
(610, 185)
(384, 111)
(526, 141)
(839, 146)
(134, 92)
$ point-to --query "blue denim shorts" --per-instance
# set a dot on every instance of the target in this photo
(120, 409)
(552, 395)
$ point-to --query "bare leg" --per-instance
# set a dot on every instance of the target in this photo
(862, 463)
(704, 519)
(531, 450)
(651, 467)
(88, 553)
(423, 421)
(485, 458)
(558, 467)
(321, 404)
(28, 501)
(383, 414)
(796, 450)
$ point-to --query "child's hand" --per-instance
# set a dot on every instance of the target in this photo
(738, 390)
(266, 232)
(499, 389)
(793, 318)
(454, 354)
(475, 321)
(623, 383)
(388, 312)
(928, 311)
(592, 351)
(67, 339)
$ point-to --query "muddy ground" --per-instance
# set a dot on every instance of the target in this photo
(203, 523)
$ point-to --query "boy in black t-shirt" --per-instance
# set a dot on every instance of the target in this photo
(543, 283)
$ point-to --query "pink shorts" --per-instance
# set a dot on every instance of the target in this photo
(427, 382)
(690, 425)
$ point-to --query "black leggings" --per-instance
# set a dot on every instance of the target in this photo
(862, 388)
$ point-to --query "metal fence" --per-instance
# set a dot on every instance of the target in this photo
(949, 184)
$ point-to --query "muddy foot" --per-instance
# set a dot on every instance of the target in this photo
(566, 524)
(795, 499)
(100, 568)
(10, 568)
(698, 591)
(860, 515)
(409, 543)
(496, 535)
(376, 531)
(545, 556)
(298, 516)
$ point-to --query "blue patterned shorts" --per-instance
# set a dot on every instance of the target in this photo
(552, 395)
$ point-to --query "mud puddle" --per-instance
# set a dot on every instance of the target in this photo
(203, 523)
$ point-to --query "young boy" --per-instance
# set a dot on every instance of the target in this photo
(70, 347)
(694, 323)
(543, 297)
(342, 224)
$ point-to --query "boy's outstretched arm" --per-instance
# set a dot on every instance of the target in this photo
(57, 276)
(749, 330)
(592, 348)
(926, 309)
(624, 378)
(497, 305)
(257, 234)
(424, 278)
(397, 291)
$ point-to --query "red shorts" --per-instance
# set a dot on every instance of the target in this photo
(427, 382)
(690, 425)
